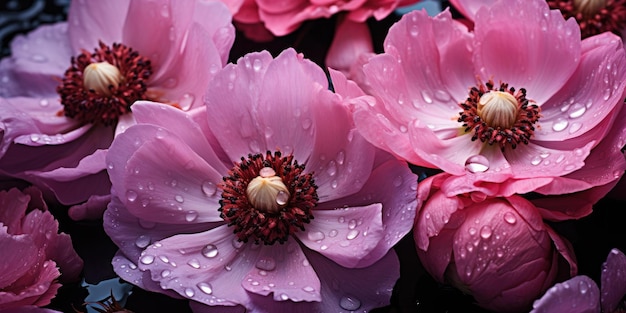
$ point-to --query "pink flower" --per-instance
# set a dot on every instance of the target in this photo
(82, 76)
(292, 211)
(593, 17)
(497, 249)
(34, 254)
(520, 101)
(581, 294)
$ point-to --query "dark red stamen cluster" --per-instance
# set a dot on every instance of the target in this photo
(88, 106)
(520, 132)
(611, 17)
(257, 225)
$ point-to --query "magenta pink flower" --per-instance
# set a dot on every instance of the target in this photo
(292, 210)
(497, 249)
(82, 76)
(581, 294)
(519, 101)
(34, 254)
(593, 17)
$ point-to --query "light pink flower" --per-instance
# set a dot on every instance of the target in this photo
(60, 76)
(557, 97)
(34, 254)
(593, 17)
(497, 249)
(299, 214)
(581, 294)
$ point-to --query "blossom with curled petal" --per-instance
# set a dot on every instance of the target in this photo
(520, 100)
(70, 87)
(497, 249)
(581, 294)
(291, 210)
(34, 254)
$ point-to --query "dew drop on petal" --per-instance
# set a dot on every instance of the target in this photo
(165, 273)
(485, 232)
(266, 264)
(131, 195)
(237, 243)
(332, 233)
(284, 297)
(191, 216)
(147, 259)
(577, 110)
(583, 286)
(315, 235)
(210, 251)
(194, 263)
(352, 224)
(209, 188)
(331, 168)
(536, 160)
(44, 102)
(477, 164)
(472, 231)
(179, 199)
(510, 218)
(205, 287)
(349, 303)
(308, 289)
(559, 125)
(189, 292)
(142, 241)
(352, 234)
(282, 198)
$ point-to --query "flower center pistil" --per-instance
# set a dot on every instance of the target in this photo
(267, 198)
(101, 77)
(267, 192)
(499, 115)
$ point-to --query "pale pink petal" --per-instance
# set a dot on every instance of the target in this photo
(579, 294)
(38, 60)
(121, 227)
(130, 272)
(541, 40)
(613, 283)
(203, 266)
(350, 40)
(469, 7)
(94, 21)
(439, 251)
(284, 271)
(345, 235)
(533, 160)
(215, 18)
(592, 93)
(186, 192)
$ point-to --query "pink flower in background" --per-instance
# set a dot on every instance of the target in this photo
(34, 254)
(519, 101)
(581, 294)
(73, 84)
(497, 249)
(292, 211)
(593, 17)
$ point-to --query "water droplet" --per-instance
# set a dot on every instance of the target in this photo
(160, 133)
(536, 160)
(189, 292)
(583, 286)
(427, 97)
(485, 232)
(284, 297)
(209, 188)
(34, 137)
(472, 231)
(209, 251)
(165, 11)
(39, 58)
(194, 263)
(477, 164)
(414, 31)
(164, 259)
(331, 168)
(186, 100)
(308, 289)
(510, 218)
(237, 243)
(575, 127)
(147, 259)
(142, 241)
(165, 273)
(352, 234)
(332, 233)
(131, 195)
(352, 224)
(559, 125)
(266, 264)
(397, 181)
(257, 64)
(577, 110)
(282, 198)
(179, 199)
(205, 287)
(44, 102)
(191, 216)
(333, 184)
(349, 303)
(315, 235)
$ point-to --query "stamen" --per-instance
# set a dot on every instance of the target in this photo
(594, 16)
(588, 8)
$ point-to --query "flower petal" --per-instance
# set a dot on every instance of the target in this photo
(285, 271)
(128, 271)
(579, 294)
(91, 22)
(613, 282)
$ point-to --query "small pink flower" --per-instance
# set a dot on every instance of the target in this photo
(82, 76)
(292, 210)
(34, 254)
(521, 100)
(581, 294)
(497, 249)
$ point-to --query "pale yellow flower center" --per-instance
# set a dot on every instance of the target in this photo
(498, 109)
(589, 8)
(99, 76)
(267, 192)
